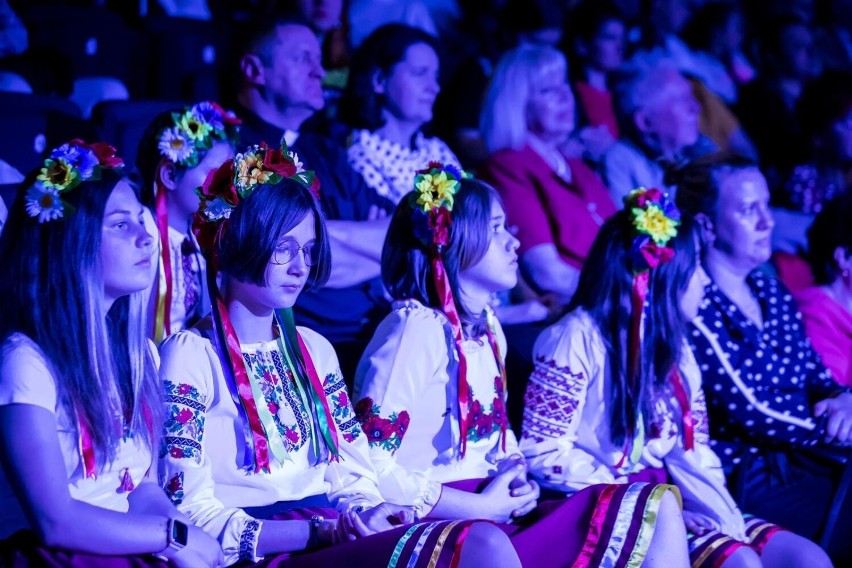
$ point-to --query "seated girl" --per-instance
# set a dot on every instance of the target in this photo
(262, 449)
(432, 394)
(616, 392)
(79, 395)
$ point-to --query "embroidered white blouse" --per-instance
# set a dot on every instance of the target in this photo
(566, 426)
(188, 286)
(388, 167)
(202, 452)
(25, 378)
(407, 388)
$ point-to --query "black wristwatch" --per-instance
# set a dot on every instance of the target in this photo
(178, 536)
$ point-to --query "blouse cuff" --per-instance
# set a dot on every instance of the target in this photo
(248, 541)
(424, 504)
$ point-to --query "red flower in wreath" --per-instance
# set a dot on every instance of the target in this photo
(439, 221)
(275, 161)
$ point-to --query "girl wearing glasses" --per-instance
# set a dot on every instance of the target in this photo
(262, 448)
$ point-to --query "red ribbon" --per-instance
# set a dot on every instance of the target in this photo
(163, 228)
(686, 413)
(87, 452)
(241, 379)
(445, 296)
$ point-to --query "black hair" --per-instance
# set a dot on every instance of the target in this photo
(829, 231)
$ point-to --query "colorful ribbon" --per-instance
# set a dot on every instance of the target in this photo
(162, 317)
(445, 296)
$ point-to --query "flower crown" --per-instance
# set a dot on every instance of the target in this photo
(655, 219)
(232, 182)
(67, 167)
(435, 189)
(195, 131)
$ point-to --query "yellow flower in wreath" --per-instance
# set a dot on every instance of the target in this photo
(58, 174)
(653, 222)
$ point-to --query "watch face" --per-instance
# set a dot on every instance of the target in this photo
(180, 533)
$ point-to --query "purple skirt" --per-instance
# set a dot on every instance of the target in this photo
(23, 549)
(609, 525)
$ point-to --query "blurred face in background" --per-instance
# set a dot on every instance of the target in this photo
(669, 121)
(550, 106)
(605, 51)
(323, 15)
(412, 86)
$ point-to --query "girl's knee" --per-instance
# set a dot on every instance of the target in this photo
(670, 510)
(788, 549)
(488, 540)
(743, 557)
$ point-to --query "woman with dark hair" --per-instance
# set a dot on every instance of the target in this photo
(262, 448)
(616, 393)
(594, 44)
(79, 395)
(773, 406)
(432, 394)
(393, 83)
(827, 306)
(175, 155)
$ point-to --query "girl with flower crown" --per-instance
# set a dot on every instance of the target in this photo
(79, 394)
(616, 392)
(432, 394)
(175, 155)
(262, 448)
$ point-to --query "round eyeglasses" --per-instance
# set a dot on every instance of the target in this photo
(287, 250)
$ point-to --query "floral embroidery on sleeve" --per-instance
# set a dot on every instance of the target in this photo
(174, 488)
(699, 417)
(386, 433)
(184, 427)
(341, 409)
(551, 400)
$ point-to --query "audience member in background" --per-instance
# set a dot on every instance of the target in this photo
(497, 26)
(366, 16)
(80, 400)
(767, 104)
(827, 306)
(13, 33)
(833, 38)
(175, 155)
(661, 23)
(774, 409)
(280, 466)
(616, 394)
(658, 117)
(594, 44)
(556, 202)
(280, 87)
(716, 35)
(824, 113)
(389, 99)
(432, 392)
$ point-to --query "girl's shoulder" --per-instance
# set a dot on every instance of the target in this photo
(25, 375)
(575, 330)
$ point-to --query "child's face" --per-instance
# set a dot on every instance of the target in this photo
(498, 269)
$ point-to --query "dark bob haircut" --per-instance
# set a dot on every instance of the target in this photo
(259, 223)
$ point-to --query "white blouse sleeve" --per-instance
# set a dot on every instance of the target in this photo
(352, 479)
(698, 472)
(567, 360)
(186, 471)
(407, 350)
(24, 375)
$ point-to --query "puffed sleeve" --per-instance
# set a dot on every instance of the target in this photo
(187, 374)
(698, 472)
(352, 479)
(568, 360)
(407, 350)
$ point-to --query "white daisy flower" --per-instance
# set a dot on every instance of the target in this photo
(175, 145)
(43, 203)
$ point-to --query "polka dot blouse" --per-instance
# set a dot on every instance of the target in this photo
(761, 384)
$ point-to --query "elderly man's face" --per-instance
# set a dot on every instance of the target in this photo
(670, 119)
(293, 74)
